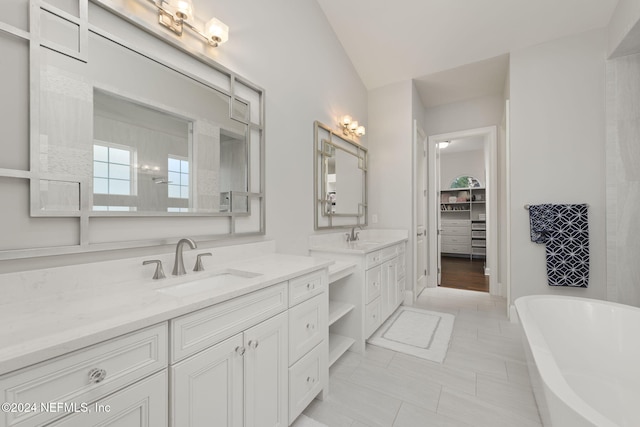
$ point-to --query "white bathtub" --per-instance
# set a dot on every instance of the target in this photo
(584, 360)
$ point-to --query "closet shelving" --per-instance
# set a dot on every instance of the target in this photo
(463, 221)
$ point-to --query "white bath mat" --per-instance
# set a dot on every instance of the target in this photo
(304, 421)
(417, 332)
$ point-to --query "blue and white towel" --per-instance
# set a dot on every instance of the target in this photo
(564, 229)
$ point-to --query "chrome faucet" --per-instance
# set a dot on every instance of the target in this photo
(354, 235)
(178, 265)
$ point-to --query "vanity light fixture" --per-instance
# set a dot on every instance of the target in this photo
(443, 144)
(177, 14)
(351, 127)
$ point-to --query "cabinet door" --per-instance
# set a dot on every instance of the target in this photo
(143, 404)
(207, 388)
(389, 287)
(266, 373)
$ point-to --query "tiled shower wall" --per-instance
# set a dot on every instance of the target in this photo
(623, 180)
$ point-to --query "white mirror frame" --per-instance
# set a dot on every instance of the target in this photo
(324, 136)
(112, 13)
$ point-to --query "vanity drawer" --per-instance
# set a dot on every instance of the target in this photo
(196, 331)
(305, 380)
(304, 287)
(75, 378)
(372, 313)
(144, 400)
(307, 325)
(377, 257)
(373, 283)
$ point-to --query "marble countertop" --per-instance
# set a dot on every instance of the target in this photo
(35, 329)
(369, 241)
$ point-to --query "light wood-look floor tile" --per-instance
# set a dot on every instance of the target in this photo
(483, 381)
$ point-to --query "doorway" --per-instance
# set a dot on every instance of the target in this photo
(462, 212)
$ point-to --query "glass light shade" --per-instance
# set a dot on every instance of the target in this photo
(360, 131)
(354, 125)
(181, 8)
(443, 144)
(346, 120)
(217, 30)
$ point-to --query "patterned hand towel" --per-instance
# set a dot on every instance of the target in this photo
(565, 231)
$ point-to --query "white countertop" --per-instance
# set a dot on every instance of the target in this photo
(35, 328)
(368, 241)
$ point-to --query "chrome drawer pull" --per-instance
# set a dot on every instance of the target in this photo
(310, 380)
(311, 286)
(311, 326)
(97, 375)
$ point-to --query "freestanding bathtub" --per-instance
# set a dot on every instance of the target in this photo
(584, 360)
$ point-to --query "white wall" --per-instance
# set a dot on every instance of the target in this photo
(557, 151)
(623, 180)
(452, 165)
(390, 161)
(464, 115)
(289, 49)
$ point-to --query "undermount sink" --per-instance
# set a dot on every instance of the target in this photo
(364, 244)
(225, 278)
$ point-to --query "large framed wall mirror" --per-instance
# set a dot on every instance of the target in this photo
(130, 122)
(340, 186)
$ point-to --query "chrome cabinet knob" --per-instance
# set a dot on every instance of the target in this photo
(97, 375)
(240, 350)
(253, 344)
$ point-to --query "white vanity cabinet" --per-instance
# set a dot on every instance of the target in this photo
(375, 288)
(308, 340)
(74, 382)
(241, 381)
(253, 360)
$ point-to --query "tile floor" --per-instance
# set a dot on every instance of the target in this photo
(482, 382)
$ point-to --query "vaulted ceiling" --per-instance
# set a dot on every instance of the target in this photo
(427, 40)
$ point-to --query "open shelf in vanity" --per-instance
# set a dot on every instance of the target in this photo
(363, 295)
(339, 310)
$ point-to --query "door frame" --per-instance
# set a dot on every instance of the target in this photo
(420, 154)
(490, 134)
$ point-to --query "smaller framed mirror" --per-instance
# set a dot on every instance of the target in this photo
(340, 186)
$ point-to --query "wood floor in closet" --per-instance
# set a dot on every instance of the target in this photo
(463, 273)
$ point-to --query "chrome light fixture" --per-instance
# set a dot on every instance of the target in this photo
(351, 127)
(178, 14)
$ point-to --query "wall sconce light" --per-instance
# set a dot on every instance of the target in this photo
(177, 14)
(443, 144)
(351, 127)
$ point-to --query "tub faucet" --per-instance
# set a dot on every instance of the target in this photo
(178, 265)
(354, 235)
